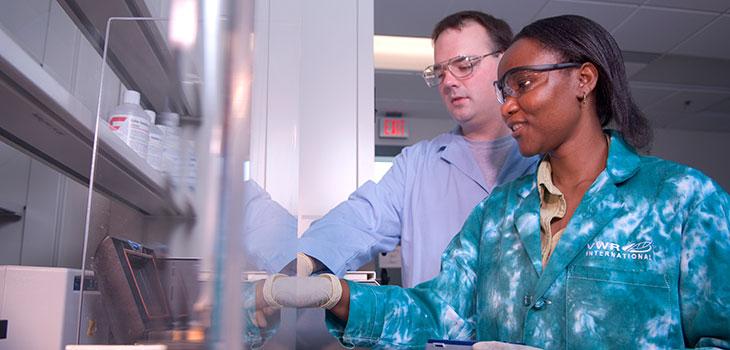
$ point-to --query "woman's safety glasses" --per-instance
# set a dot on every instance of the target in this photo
(520, 80)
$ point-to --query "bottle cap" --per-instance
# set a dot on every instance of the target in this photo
(169, 119)
(151, 114)
(132, 97)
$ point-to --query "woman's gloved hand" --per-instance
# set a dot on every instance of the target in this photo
(322, 291)
(261, 321)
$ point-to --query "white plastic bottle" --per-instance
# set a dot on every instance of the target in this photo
(191, 175)
(156, 144)
(169, 123)
(131, 123)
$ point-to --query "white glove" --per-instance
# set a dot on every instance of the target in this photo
(496, 345)
(305, 265)
(322, 291)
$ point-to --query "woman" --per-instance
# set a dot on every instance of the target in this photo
(604, 248)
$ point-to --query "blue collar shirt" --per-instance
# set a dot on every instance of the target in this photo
(421, 203)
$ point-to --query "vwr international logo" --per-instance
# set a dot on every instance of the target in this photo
(631, 251)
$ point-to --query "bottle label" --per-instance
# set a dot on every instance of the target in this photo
(115, 122)
(171, 150)
(155, 148)
(133, 130)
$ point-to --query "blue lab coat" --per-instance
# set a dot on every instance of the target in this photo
(642, 264)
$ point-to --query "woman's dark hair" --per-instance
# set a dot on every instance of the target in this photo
(497, 29)
(579, 39)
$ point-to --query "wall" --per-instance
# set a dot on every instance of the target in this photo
(45, 31)
(50, 231)
(419, 129)
(313, 106)
(706, 151)
(14, 171)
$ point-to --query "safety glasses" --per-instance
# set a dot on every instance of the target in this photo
(519, 80)
(459, 66)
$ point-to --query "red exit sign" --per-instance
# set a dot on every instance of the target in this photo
(393, 128)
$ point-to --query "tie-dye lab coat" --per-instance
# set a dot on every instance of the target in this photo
(644, 263)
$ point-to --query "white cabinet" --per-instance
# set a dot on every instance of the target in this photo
(41, 305)
(54, 119)
(43, 204)
(49, 87)
(27, 23)
(313, 104)
(14, 170)
(61, 47)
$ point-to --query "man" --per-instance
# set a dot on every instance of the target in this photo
(433, 185)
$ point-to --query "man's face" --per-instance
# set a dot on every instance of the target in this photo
(470, 99)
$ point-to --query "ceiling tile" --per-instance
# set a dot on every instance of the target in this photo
(710, 42)
(684, 103)
(635, 2)
(633, 68)
(654, 121)
(690, 101)
(702, 5)
(639, 57)
(607, 15)
(659, 30)
(707, 73)
(396, 17)
(713, 122)
(721, 107)
(646, 96)
(517, 13)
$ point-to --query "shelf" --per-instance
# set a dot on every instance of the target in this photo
(10, 212)
(138, 52)
(42, 118)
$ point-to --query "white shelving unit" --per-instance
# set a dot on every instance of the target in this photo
(154, 76)
(44, 119)
(9, 212)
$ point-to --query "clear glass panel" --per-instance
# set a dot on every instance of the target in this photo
(183, 215)
(177, 228)
(142, 245)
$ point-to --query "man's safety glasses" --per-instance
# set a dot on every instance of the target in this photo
(520, 80)
(459, 66)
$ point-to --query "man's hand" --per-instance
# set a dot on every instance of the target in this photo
(307, 265)
(265, 314)
(303, 266)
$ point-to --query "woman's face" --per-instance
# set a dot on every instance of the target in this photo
(541, 104)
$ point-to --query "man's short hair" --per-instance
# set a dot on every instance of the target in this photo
(498, 30)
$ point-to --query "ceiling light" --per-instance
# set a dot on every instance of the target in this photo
(183, 23)
(402, 53)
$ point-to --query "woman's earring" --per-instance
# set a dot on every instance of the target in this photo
(583, 99)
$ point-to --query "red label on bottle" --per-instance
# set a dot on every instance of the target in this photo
(115, 122)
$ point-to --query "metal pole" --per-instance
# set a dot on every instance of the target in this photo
(227, 92)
